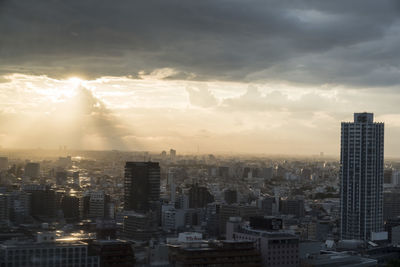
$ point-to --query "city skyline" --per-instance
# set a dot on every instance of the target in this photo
(276, 78)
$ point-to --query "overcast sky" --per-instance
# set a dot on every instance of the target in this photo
(227, 76)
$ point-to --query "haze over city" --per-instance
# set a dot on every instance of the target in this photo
(271, 77)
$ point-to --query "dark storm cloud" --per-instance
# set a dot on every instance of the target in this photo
(349, 42)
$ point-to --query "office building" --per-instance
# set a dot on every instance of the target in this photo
(142, 186)
(361, 177)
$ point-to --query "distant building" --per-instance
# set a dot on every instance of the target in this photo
(235, 210)
(20, 206)
(3, 163)
(4, 208)
(75, 178)
(199, 197)
(32, 170)
(61, 177)
(361, 177)
(172, 154)
(387, 176)
(142, 186)
(95, 205)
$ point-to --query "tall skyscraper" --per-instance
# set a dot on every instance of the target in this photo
(142, 186)
(361, 181)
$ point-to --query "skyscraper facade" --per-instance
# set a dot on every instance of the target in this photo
(142, 186)
(361, 181)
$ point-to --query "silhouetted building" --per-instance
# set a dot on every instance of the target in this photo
(70, 208)
(142, 186)
(112, 253)
(199, 197)
(230, 196)
(43, 201)
(361, 177)
(3, 163)
(266, 223)
(387, 176)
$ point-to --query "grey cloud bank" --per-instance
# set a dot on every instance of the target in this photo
(313, 42)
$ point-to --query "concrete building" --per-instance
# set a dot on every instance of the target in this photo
(361, 177)
(277, 248)
(46, 251)
(172, 219)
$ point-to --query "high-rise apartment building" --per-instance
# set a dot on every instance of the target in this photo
(142, 186)
(361, 180)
